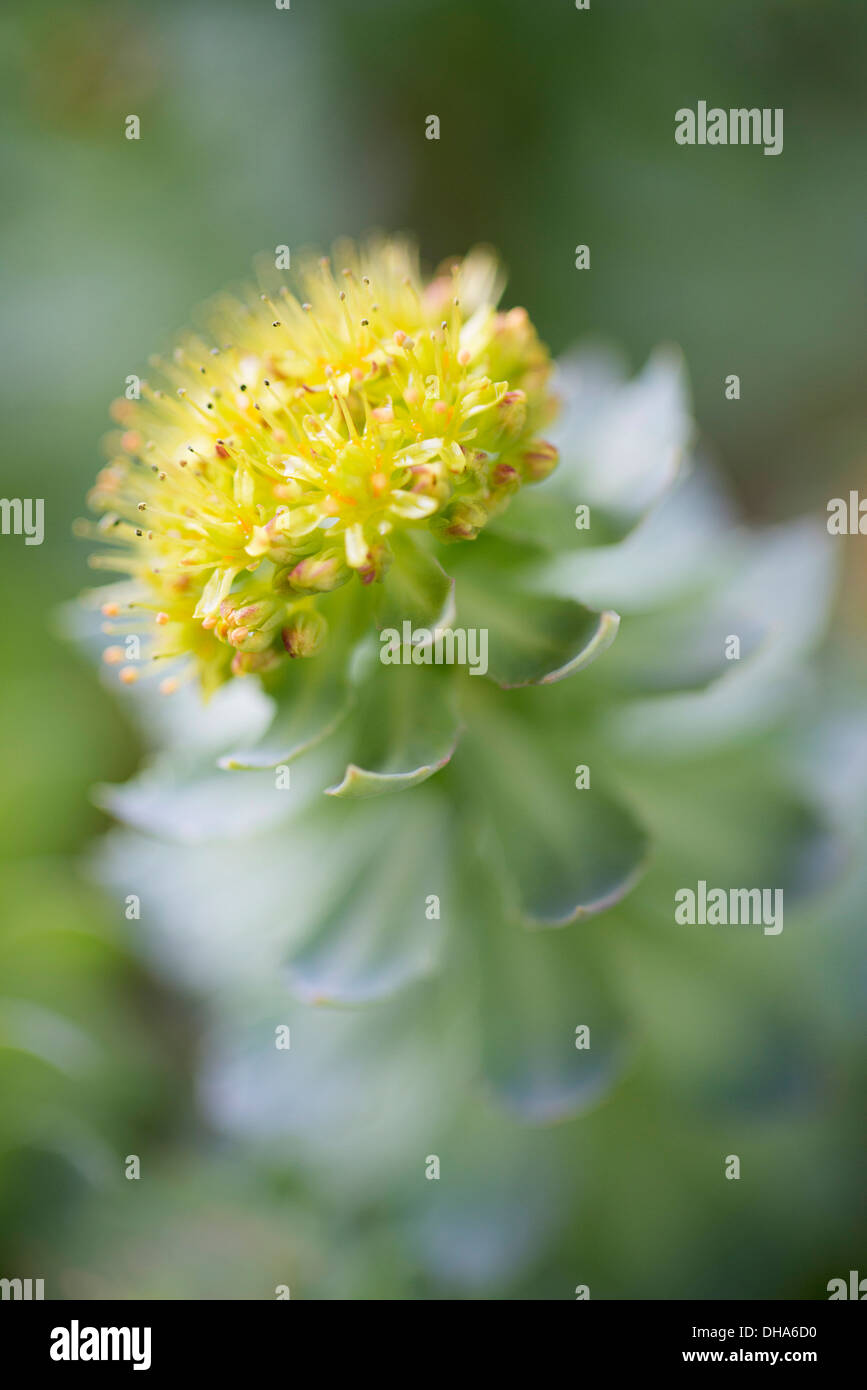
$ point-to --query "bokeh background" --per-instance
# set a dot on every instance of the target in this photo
(262, 127)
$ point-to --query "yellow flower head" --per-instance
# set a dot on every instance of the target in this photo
(275, 454)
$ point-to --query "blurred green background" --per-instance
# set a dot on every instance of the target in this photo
(261, 127)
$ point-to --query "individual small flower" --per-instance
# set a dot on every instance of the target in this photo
(278, 453)
(304, 634)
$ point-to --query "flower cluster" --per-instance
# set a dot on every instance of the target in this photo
(284, 445)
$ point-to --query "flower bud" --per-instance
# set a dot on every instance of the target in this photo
(254, 614)
(319, 574)
(305, 633)
(538, 461)
(254, 663)
(503, 475)
(463, 521)
(249, 640)
(376, 564)
(512, 408)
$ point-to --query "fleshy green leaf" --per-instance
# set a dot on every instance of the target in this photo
(489, 1221)
(416, 590)
(532, 639)
(314, 701)
(553, 1033)
(375, 1074)
(405, 728)
(176, 803)
(684, 649)
(565, 853)
(375, 936)
(692, 527)
(622, 442)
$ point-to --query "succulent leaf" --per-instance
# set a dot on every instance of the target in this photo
(405, 729)
(314, 702)
(623, 442)
(536, 994)
(418, 591)
(566, 854)
(374, 937)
